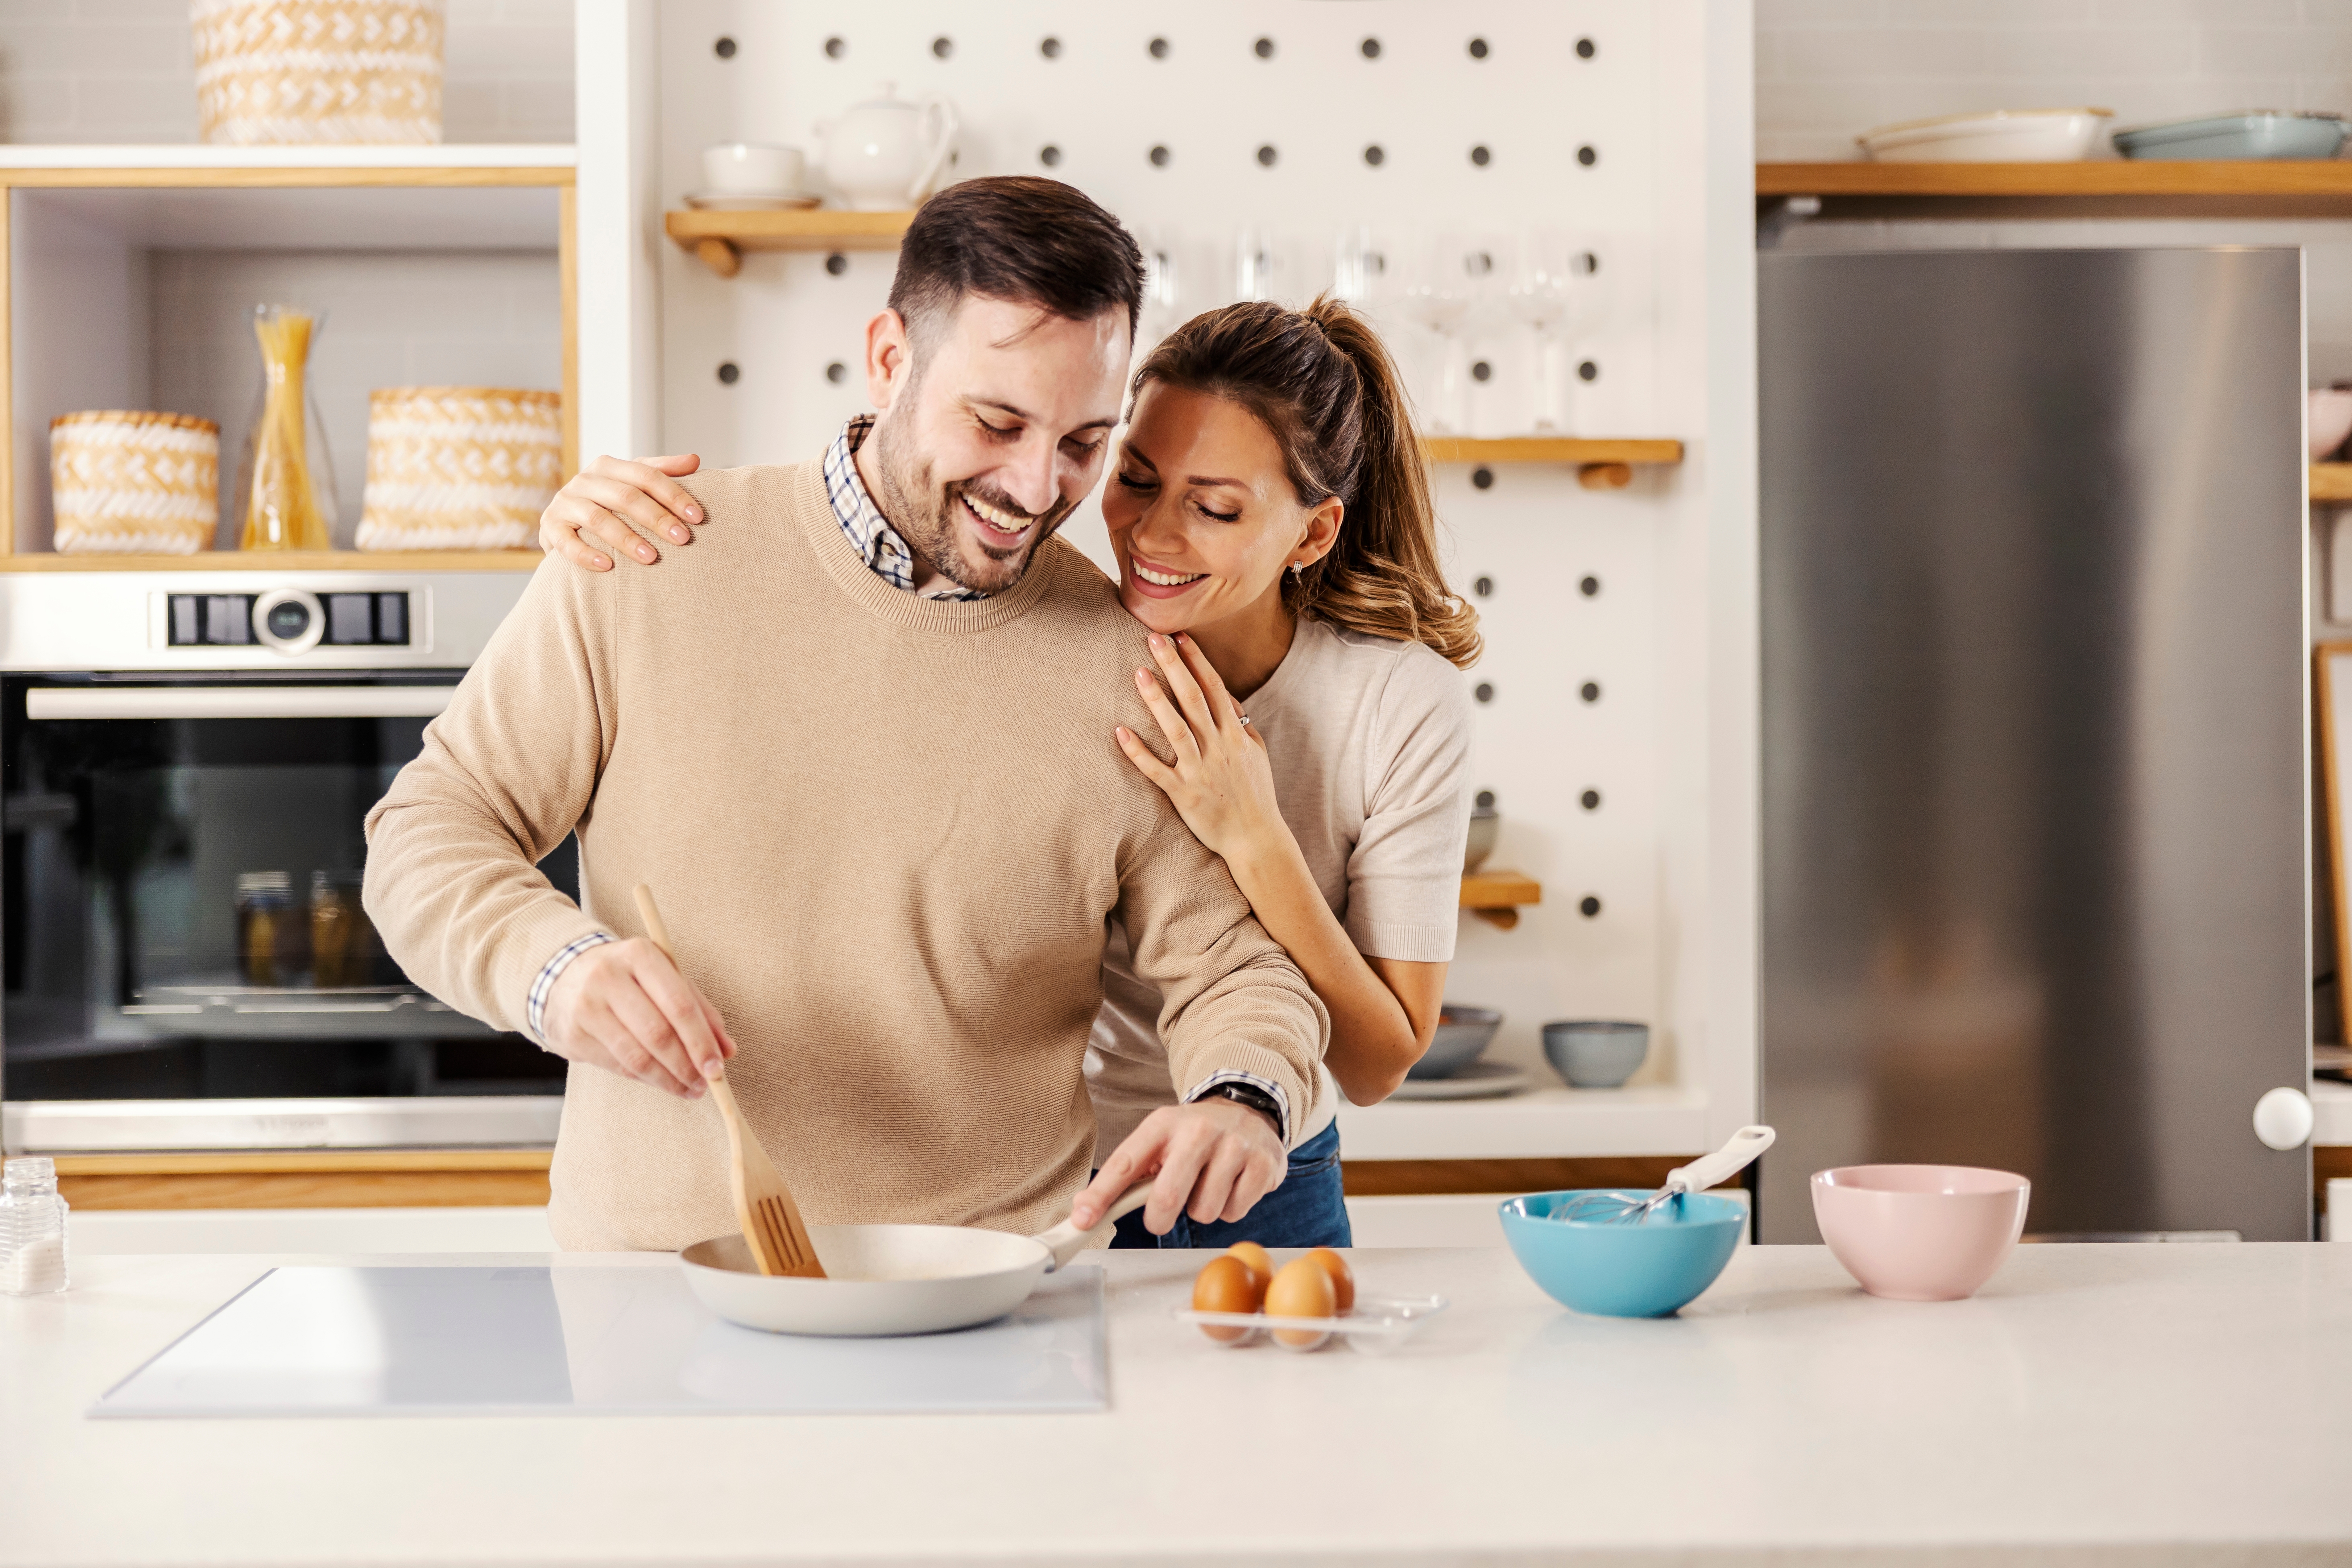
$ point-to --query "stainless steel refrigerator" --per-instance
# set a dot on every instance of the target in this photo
(2034, 698)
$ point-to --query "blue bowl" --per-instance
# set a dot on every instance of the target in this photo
(1644, 1271)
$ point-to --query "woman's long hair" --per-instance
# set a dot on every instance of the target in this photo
(1322, 382)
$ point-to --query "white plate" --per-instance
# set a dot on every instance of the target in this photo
(1479, 1080)
(1373, 1325)
(2003, 136)
(730, 202)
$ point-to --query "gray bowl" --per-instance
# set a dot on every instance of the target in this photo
(1462, 1034)
(1485, 823)
(1595, 1055)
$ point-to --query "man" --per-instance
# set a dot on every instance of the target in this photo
(859, 744)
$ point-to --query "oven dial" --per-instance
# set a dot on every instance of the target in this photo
(289, 620)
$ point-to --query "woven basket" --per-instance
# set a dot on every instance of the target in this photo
(318, 70)
(459, 467)
(123, 483)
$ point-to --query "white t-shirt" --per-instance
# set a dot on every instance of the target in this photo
(1369, 741)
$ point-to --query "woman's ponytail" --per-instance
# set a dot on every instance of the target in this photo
(1323, 382)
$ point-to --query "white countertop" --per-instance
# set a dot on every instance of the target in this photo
(2170, 1402)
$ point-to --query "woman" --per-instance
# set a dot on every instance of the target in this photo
(1270, 511)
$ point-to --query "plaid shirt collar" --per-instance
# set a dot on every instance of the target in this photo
(862, 523)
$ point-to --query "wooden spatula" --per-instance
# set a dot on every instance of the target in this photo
(763, 1206)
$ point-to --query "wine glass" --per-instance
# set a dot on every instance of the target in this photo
(1261, 264)
(1453, 279)
(1546, 293)
(1163, 273)
(1359, 267)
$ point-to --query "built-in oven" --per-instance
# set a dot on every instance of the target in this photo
(187, 761)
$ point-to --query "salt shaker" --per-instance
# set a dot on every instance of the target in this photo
(32, 1229)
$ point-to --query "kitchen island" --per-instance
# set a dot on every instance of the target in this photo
(2112, 1404)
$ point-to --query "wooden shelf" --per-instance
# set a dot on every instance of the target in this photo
(2331, 482)
(2101, 188)
(312, 174)
(436, 158)
(284, 560)
(718, 239)
(1600, 465)
(1496, 896)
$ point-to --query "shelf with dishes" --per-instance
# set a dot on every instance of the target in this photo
(127, 381)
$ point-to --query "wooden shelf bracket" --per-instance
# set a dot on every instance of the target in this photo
(1496, 896)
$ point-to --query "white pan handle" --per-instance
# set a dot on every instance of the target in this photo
(1066, 1241)
(1725, 1162)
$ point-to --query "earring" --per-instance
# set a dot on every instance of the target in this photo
(1299, 569)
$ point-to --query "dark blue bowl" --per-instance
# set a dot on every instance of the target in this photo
(1644, 1271)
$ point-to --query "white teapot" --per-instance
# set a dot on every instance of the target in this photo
(887, 153)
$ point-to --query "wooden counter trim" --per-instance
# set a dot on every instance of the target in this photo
(422, 1178)
(307, 1162)
(308, 1178)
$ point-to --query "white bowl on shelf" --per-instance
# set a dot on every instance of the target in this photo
(2330, 419)
(1999, 136)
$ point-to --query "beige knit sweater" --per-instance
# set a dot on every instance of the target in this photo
(886, 833)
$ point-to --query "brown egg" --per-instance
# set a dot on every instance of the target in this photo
(1301, 1290)
(1261, 1263)
(1343, 1283)
(1225, 1285)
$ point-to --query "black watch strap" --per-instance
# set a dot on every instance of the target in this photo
(1249, 1094)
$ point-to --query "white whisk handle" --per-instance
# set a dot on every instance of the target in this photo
(1724, 1164)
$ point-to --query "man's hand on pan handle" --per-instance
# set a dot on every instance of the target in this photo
(1214, 1160)
(624, 1007)
(609, 503)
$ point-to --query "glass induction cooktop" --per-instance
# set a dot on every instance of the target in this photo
(475, 1340)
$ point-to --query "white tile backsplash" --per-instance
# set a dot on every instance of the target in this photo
(123, 70)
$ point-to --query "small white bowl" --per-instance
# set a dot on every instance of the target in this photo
(2330, 418)
(2001, 136)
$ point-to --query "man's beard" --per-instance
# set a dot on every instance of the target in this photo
(925, 516)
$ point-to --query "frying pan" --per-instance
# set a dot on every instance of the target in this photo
(889, 1278)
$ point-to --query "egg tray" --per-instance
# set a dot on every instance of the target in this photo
(1376, 1325)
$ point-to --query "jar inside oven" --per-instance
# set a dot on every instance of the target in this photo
(267, 933)
(342, 942)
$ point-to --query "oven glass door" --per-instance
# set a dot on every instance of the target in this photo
(182, 918)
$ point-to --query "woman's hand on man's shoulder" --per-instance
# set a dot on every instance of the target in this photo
(616, 506)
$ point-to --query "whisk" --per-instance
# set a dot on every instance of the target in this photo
(1633, 1209)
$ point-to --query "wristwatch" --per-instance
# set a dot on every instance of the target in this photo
(1248, 1094)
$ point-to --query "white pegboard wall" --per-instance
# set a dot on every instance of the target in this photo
(1104, 101)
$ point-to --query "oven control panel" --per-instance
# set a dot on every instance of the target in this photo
(289, 620)
(223, 616)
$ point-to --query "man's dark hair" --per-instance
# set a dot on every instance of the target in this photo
(1018, 238)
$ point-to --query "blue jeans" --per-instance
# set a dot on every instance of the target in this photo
(1307, 1210)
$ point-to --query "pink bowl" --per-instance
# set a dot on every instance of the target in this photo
(1921, 1233)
